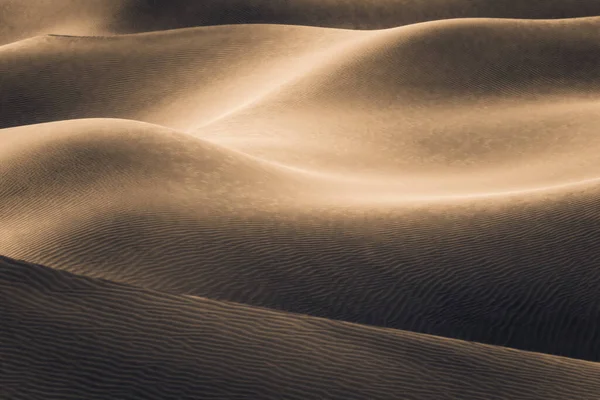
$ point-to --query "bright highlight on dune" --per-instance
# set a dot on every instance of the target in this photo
(333, 199)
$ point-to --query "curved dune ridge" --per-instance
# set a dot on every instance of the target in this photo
(192, 78)
(112, 156)
(269, 103)
(520, 275)
(168, 346)
(20, 20)
(309, 199)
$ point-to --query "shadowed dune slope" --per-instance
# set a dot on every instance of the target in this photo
(70, 337)
(23, 19)
(20, 19)
(351, 14)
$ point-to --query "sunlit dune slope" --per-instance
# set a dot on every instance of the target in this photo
(155, 208)
(165, 77)
(70, 337)
(410, 110)
(22, 19)
(390, 109)
(192, 77)
(465, 59)
(71, 165)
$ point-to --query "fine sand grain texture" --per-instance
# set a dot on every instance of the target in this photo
(335, 199)
(93, 337)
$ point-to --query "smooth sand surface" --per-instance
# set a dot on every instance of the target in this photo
(336, 199)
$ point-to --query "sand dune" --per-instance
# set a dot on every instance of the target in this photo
(19, 20)
(189, 78)
(112, 156)
(144, 344)
(164, 210)
(169, 78)
(513, 274)
(419, 119)
(352, 14)
(308, 199)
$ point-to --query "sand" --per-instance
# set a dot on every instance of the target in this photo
(236, 199)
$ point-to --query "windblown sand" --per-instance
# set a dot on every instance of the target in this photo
(337, 199)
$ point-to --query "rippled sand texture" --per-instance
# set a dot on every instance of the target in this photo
(334, 199)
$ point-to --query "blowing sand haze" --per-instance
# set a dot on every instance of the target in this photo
(336, 199)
